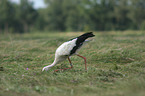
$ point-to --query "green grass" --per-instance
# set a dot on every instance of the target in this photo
(115, 60)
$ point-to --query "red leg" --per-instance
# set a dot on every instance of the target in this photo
(66, 68)
(84, 59)
(70, 62)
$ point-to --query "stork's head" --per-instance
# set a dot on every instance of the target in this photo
(46, 68)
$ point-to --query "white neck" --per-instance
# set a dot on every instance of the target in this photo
(52, 64)
(49, 66)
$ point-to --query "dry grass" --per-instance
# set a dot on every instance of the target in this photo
(116, 65)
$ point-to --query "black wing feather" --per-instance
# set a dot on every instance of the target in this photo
(80, 40)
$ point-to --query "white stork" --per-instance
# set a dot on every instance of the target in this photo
(68, 49)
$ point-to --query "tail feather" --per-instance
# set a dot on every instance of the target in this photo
(88, 34)
(83, 37)
(80, 40)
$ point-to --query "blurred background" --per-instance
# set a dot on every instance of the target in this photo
(23, 16)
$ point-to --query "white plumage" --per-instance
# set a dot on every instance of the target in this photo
(68, 49)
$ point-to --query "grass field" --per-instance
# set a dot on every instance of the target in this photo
(115, 60)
